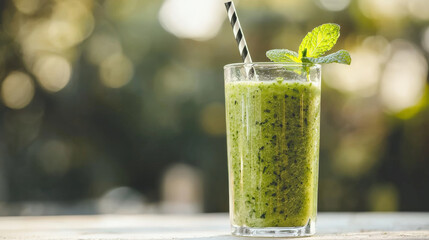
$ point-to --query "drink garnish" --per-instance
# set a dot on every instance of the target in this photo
(316, 43)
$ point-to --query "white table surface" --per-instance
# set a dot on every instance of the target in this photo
(207, 227)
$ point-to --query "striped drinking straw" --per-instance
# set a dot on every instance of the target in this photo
(238, 33)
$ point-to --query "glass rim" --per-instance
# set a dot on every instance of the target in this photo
(271, 64)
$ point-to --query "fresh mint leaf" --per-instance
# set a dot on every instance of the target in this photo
(341, 56)
(282, 55)
(319, 40)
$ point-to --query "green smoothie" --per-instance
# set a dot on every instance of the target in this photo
(273, 148)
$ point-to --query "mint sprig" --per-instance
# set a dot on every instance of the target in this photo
(282, 55)
(319, 40)
(341, 56)
(316, 43)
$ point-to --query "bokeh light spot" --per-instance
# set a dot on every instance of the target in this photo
(212, 119)
(334, 5)
(116, 71)
(54, 157)
(194, 19)
(361, 77)
(353, 160)
(53, 72)
(419, 9)
(175, 81)
(425, 39)
(27, 6)
(121, 200)
(383, 197)
(63, 34)
(182, 189)
(102, 46)
(72, 22)
(17, 90)
(122, 10)
(387, 9)
(404, 78)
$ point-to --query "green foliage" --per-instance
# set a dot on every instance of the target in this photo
(320, 40)
(341, 56)
(282, 55)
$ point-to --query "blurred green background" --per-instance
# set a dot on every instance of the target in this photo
(118, 106)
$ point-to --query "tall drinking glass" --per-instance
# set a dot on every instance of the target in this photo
(273, 129)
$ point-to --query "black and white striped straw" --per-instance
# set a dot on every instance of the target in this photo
(238, 33)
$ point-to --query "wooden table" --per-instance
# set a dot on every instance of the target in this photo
(207, 227)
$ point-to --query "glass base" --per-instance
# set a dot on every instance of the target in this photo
(306, 230)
